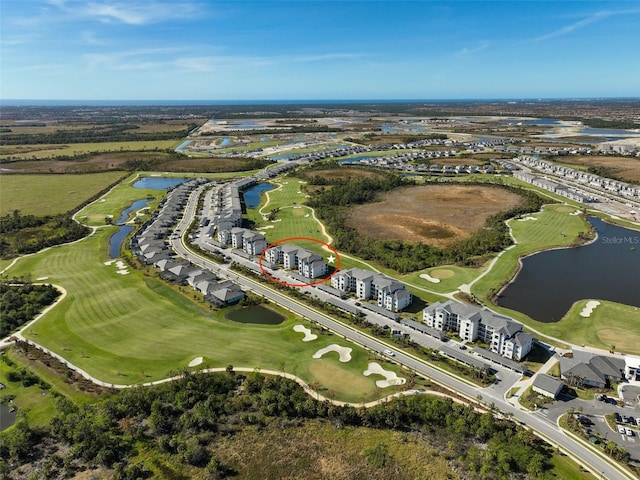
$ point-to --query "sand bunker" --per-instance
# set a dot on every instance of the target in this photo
(390, 377)
(195, 362)
(527, 218)
(344, 352)
(265, 228)
(109, 262)
(308, 336)
(577, 212)
(122, 268)
(429, 278)
(589, 308)
(41, 278)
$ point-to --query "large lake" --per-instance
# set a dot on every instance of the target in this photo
(550, 282)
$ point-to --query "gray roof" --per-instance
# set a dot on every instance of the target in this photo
(592, 367)
(500, 360)
(547, 383)
(451, 306)
(465, 358)
(522, 338)
(421, 327)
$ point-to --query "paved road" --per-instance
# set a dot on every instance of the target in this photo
(531, 420)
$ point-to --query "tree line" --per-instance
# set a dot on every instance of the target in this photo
(112, 133)
(184, 420)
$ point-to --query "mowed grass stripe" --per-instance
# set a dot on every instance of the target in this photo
(130, 328)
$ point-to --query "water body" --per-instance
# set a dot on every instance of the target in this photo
(255, 314)
(252, 196)
(225, 141)
(7, 418)
(550, 282)
(357, 158)
(615, 132)
(183, 145)
(115, 241)
(135, 206)
(158, 183)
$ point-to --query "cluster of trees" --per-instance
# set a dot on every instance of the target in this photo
(21, 234)
(97, 134)
(21, 301)
(332, 207)
(184, 418)
(171, 162)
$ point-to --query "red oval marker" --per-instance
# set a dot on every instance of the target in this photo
(287, 284)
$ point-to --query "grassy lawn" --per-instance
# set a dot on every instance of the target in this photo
(129, 329)
(50, 194)
(450, 276)
(49, 151)
(610, 326)
(566, 469)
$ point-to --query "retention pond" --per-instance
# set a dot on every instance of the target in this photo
(550, 282)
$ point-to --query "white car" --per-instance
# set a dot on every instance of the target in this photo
(621, 429)
(389, 353)
(629, 431)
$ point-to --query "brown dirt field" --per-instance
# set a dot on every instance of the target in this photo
(434, 214)
(625, 167)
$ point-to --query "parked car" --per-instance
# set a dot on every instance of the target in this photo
(618, 418)
(585, 420)
(612, 401)
(621, 429)
(629, 432)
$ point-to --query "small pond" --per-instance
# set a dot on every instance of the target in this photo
(135, 206)
(158, 183)
(252, 196)
(7, 418)
(256, 314)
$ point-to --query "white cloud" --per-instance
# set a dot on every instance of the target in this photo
(467, 51)
(596, 17)
(138, 13)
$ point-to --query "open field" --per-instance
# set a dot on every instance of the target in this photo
(626, 167)
(32, 152)
(434, 214)
(131, 329)
(50, 194)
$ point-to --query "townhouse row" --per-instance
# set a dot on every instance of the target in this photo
(589, 179)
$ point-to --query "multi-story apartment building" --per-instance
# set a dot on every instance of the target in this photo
(388, 292)
(503, 335)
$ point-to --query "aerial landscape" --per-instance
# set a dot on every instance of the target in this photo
(319, 240)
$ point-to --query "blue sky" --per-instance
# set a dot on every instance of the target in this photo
(242, 50)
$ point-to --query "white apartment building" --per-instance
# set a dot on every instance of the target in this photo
(503, 335)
